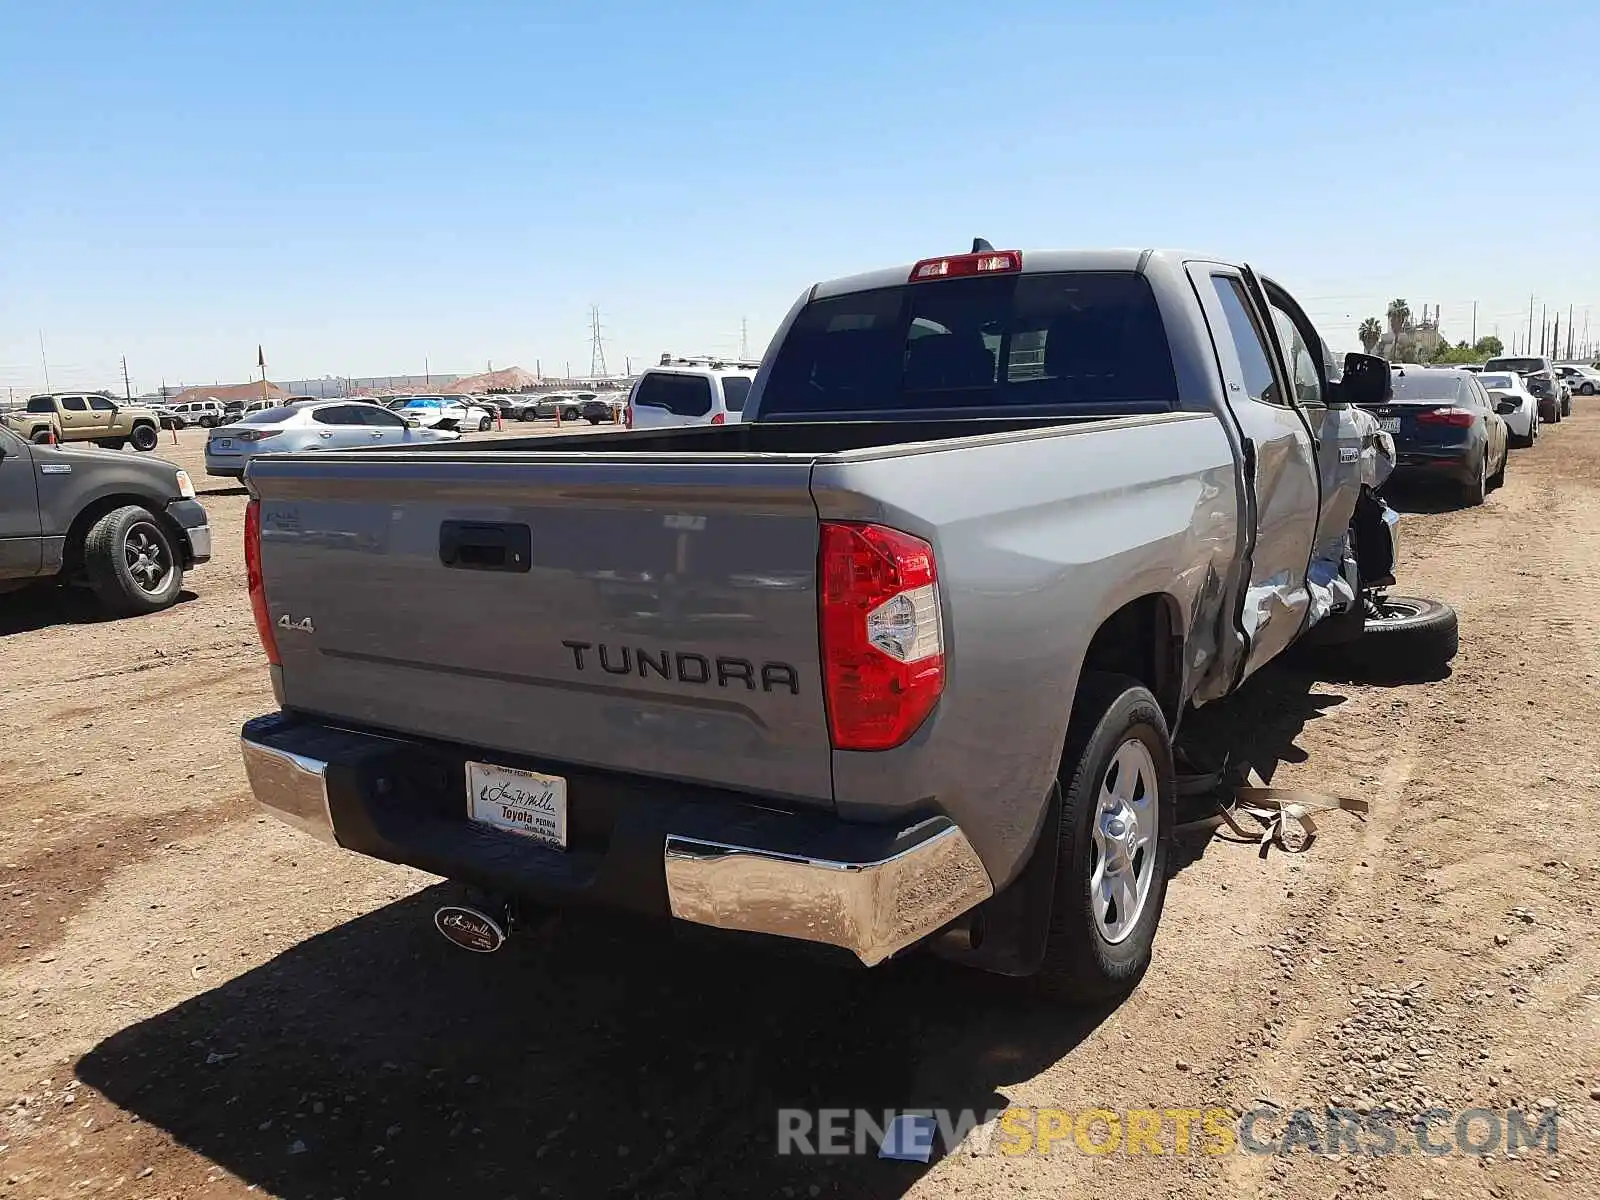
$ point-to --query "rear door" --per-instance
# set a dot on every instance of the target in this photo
(1281, 462)
(384, 428)
(102, 414)
(657, 617)
(75, 419)
(341, 426)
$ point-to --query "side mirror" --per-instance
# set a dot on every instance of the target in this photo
(1366, 380)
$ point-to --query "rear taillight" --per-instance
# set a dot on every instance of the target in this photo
(990, 262)
(252, 435)
(1460, 417)
(253, 581)
(882, 636)
(719, 418)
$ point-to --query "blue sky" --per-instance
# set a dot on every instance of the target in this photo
(359, 186)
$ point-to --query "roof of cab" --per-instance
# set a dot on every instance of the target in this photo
(1032, 261)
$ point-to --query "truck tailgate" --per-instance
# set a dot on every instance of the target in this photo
(647, 616)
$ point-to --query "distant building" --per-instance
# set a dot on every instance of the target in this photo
(225, 392)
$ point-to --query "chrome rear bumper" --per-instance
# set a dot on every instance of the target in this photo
(874, 892)
(872, 909)
(291, 787)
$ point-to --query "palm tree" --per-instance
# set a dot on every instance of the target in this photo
(1399, 315)
(1370, 333)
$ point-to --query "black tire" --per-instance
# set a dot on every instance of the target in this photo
(484, 424)
(1473, 494)
(1409, 634)
(208, 422)
(594, 420)
(1586, 390)
(1498, 479)
(41, 438)
(1081, 964)
(1566, 406)
(111, 443)
(143, 438)
(124, 588)
(569, 414)
(527, 414)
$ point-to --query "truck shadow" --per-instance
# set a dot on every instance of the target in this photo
(375, 1059)
(1259, 726)
(48, 604)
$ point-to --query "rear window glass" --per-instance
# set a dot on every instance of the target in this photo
(267, 416)
(1523, 366)
(735, 388)
(1427, 385)
(1058, 340)
(41, 404)
(1497, 381)
(683, 395)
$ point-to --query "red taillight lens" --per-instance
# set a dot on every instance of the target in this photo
(882, 635)
(990, 262)
(252, 577)
(719, 418)
(1459, 417)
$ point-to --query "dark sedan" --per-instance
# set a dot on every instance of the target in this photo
(1445, 426)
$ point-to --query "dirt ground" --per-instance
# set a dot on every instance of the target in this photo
(195, 1001)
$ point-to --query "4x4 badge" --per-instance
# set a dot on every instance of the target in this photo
(303, 625)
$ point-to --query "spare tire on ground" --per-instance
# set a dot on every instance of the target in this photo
(1402, 637)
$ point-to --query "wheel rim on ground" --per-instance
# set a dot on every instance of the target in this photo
(146, 557)
(1394, 610)
(1122, 857)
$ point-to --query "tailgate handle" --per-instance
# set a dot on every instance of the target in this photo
(485, 546)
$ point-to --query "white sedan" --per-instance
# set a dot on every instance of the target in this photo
(1517, 406)
(445, 412)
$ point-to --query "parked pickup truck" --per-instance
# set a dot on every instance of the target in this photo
(128, 527)
(896, 661)
(86, 417)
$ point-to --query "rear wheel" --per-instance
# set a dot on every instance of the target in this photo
(1498, 479)
(483, 424)
(132, 563)
(1587, 389)
(208, 421)
(1473, 494)
(527, 414)
(569, 414)
(1117, 815)
(143, 437)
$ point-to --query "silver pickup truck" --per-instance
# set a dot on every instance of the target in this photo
(896, 661)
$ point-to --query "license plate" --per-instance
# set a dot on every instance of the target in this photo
(1389, 424)
(223, 443)
(520, 802)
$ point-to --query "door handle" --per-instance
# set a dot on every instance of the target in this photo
(377, 433)
(325, 434)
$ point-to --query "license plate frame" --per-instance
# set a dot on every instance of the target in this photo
(1389, 424)
(223, 444)
(526, 804)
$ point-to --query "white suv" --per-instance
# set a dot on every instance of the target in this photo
(207, 413)
(690, 391)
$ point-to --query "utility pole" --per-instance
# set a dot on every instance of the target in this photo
(1555, 337)
(127, 388)
(744, 339)
(45, 361)
(427, 374)
(1569, 331)
(1528, 345)
(1544, 326)
(1474, 323)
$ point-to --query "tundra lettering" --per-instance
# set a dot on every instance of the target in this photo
(688, 667)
